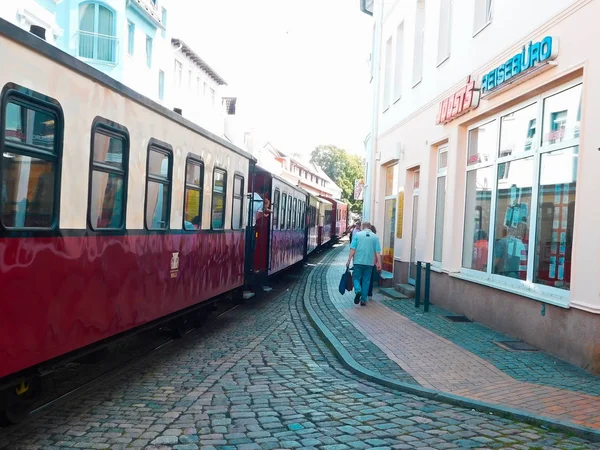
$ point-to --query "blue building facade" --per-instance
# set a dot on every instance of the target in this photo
(123, 38)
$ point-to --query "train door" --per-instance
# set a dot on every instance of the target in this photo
(260, 207)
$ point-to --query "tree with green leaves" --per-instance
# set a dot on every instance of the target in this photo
(343, 168)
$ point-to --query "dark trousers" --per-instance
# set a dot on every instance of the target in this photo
(374, 276)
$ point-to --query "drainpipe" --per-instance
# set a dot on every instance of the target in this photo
(371, 170)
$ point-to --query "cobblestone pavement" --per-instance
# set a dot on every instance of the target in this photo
(418, 345)
(260, 378)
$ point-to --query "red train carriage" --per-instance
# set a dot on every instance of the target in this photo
(341, 227)
(115, 212)
(325, 211)
(278, 225)
(312, 242)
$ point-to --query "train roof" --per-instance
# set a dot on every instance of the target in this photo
(40, 46)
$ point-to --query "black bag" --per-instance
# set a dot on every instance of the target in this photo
(345, 282)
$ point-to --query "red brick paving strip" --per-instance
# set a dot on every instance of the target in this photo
(436, 363)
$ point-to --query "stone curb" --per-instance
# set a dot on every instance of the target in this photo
(355, 367)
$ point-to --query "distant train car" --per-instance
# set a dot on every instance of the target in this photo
(312, 214)
(341, 227)
(325, 217)
(278, 229)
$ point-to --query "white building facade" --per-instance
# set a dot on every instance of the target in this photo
(484, 114)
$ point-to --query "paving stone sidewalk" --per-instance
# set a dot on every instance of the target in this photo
(462, 359)
(259, 377)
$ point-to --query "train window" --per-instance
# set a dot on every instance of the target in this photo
(289, 213)
(302, 215)
(108, 178)
(158, 185)
(283, 212)
(218, 199)
(294, 210)
(192, 207)
(238, 204)
(276, 197)
(29, 159)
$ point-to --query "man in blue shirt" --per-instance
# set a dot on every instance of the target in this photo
(364, 249)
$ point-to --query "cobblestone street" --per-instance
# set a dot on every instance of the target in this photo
(259, 377)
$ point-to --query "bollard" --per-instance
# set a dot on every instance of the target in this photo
(427, 285)
(418, 286)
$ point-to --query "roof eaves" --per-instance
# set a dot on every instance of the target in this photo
(187, 51)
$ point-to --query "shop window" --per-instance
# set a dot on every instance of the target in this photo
(556, 207)
(562, 116)
(218, 199)
(515, 165)
(480, 184)
(108, 186)
(517, 131)
(482, 143)
(158, 185)
(30, 158)
(194, 182)
(238, 205)
(511, 225)
(440, 203)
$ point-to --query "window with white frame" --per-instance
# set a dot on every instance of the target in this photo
(445, 32)
(440, 202)
(419, 43)
(520, 192)
(97, 33)
(399, 69)
(148, 51)
(483, 14)
(178, 73)
(387, 82)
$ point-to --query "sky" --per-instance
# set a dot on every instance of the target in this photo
(299, 68)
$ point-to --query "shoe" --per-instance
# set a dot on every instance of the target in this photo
(363, 303)
(369, 299)
(357, 299)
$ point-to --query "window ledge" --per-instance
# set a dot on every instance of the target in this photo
(559, 301)
(487, 24)
(443, 61)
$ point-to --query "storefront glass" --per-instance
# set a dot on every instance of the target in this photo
(519, 175)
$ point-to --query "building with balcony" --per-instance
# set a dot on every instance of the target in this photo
(130, 41)
(484, 113)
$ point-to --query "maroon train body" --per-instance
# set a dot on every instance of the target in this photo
(118, 213)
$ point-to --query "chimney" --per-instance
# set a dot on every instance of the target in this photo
(178, 111)
(38, 31)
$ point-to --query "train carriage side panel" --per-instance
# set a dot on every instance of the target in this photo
(77, 283)
(288, 237)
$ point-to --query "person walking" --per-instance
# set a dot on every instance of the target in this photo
(376, 273)
(364, 250)
(355, 231)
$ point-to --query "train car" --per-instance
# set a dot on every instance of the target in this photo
(312, 241)
(116, 212)
(278, 228)
(325, 232)
(341, 227)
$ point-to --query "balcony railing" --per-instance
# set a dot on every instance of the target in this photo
(97, 47)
